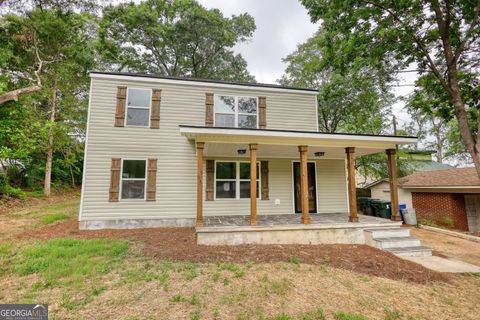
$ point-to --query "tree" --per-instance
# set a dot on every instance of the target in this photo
(442, 37)
(35, 82)
(174, 38)
(56, 47)
(353, 92)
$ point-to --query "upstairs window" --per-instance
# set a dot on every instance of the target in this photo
(236, 112)
(138, 107)
(133, 179)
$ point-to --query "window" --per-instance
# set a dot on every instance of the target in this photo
(232, 180)
(236, 112)
(133, 179)
(138, 107)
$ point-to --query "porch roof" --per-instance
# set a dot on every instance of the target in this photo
(332, 144)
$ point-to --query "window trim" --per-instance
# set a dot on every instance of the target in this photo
(137, 107)
(133, 179)
(236, 112)
(237, 180)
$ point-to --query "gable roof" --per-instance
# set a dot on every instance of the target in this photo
(456, 177)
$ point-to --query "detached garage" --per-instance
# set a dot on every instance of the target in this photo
(446, 197)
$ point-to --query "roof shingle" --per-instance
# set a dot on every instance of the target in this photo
(442, 178)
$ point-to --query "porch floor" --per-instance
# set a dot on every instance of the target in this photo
(323, 219)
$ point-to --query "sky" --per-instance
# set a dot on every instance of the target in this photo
(281, 26)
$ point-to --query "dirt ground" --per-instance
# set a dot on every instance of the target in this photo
(449, 246)
(19, 215)
(179, 244)
(277, 281)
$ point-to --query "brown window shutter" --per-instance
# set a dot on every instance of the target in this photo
(210, 172)
(121, 102)
(152, 179)
(264, 177)
(262, 112)
(114, 180)
(209, 110)
(155, 113)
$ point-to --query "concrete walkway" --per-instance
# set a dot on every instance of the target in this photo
(444, 265)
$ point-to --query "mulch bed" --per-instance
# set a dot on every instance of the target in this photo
(179, 244)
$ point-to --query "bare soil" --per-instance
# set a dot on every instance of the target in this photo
(448, 246)
(179, 244)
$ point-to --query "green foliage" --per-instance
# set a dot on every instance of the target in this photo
(52, 46)
(51, 218)
(353, 90)
(174, 38)
(69, 261)
(439, 37)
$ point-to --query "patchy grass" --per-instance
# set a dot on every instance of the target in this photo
(69, 261)
(51, 218)
(349, 316)
(391, 314)
(98, 278)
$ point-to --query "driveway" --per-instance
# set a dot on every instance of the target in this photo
(449, 246)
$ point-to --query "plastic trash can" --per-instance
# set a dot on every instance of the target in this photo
(409, 216)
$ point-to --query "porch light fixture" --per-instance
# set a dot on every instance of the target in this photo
(241, 151)
(319, 154)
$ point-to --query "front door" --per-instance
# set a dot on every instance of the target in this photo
(312, 187)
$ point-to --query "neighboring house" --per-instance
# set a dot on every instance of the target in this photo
(149, 136)
(448, 197)
(381, 190)
(416, 160)
(413, 161)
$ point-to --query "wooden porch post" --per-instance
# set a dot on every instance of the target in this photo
(352, 186)
(392, 175)
(253, 184)
(304, 184)
(200, 146)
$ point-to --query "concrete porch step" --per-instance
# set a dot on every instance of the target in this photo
(387, 232)
(396, 242)
(418, 251)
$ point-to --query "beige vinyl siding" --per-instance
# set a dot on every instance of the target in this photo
(332, 186)
(382, 191)
(176, 175)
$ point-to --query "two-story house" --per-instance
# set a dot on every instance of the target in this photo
(172, 152)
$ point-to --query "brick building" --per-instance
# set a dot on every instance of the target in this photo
(446, 197)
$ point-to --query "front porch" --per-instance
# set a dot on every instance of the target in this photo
(258, 147)
(327, 228)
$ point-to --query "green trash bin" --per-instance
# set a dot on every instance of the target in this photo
(369, 209)
(384, 209)
(362, 203)
(375, 204)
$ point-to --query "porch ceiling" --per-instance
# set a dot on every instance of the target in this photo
(283, 144)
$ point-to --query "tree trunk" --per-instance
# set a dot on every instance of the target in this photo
(453, 86)
(465, 132)
(439, 148)
(48, 166)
